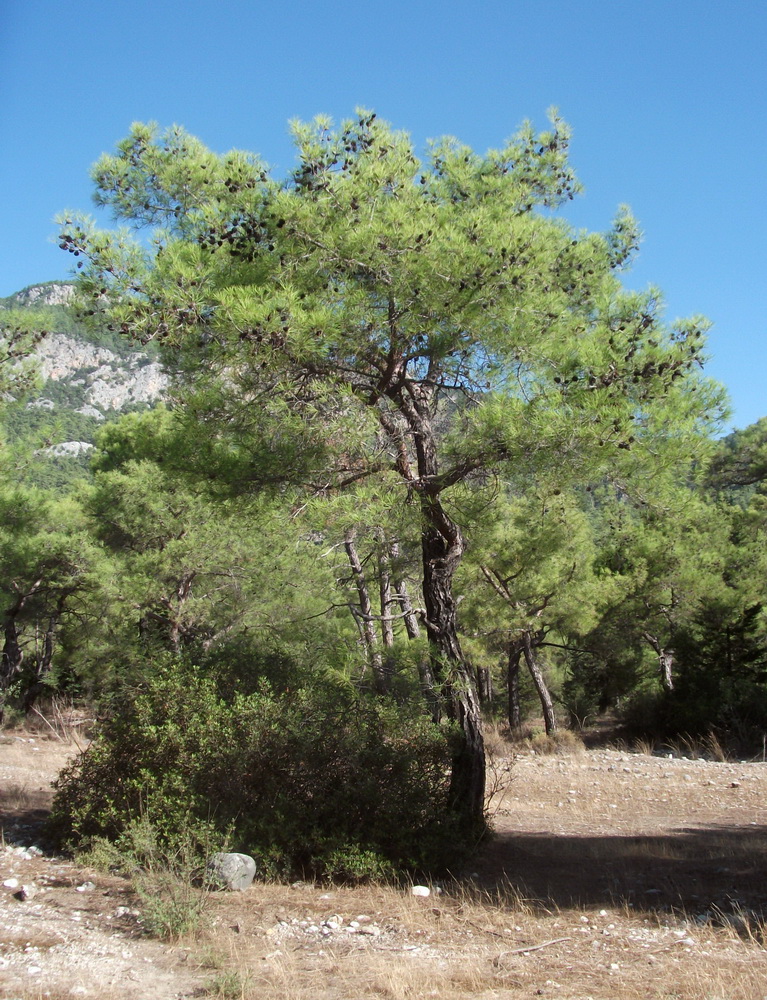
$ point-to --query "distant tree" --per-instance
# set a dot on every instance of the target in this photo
(533, 557)
(740, 460)
(670, 558)
(377, 317)
(20, 332)
(49, 568)
(196, 572)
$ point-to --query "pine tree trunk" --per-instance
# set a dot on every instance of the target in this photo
(442, 547)
(515, 711)
(549, 718)
(441, 556)
(403, 598)
(44, 659)
(387, 603)
(385, 589)
(365, 616)
(484, 685)
(665, 661)
(12, 657)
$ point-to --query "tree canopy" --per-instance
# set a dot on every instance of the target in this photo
(376, 320)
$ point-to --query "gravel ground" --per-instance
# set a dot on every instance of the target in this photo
(632, 876)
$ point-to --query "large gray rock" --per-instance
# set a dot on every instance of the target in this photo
(231, 871)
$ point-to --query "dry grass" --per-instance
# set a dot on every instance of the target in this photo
(472, 944)
(612, 876)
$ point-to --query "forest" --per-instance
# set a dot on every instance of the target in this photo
(425, 462)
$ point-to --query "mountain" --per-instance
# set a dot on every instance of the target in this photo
(85, 377)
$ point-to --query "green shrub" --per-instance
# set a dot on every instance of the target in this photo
(170, 880)
(353, 864)
(315, 781)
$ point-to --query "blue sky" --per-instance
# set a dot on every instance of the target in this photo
(667, 100)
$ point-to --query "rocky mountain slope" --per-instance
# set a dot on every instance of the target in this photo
(84, 378)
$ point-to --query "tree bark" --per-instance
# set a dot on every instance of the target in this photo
(442, 546)
(386, 600)
(385, 589)
(428, 685)
(484, 685)
(43, 659)
(365, 617)
(515, 711)
(12, 655)
(400, 589)
(665, 661)
(528, 648)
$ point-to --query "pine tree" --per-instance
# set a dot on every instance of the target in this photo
(378, 318)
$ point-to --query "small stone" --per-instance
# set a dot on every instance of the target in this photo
(734, 784)
(86, 887)
(421, 890)
(370, 929)
(11, 883)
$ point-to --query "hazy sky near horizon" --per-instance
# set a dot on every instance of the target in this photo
(667, 100)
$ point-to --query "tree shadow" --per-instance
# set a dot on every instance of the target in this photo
(23, 817)
(703, 871)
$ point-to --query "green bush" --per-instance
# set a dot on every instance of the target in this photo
(316, 781)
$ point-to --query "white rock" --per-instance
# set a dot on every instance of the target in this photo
(65, 449)
(370, 929)
(91, 411)
(421, 890)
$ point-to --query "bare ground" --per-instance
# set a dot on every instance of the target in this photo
(611, 875)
